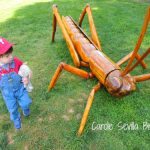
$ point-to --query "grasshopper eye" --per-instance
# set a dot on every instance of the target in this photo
(116, 82)
(113, 84)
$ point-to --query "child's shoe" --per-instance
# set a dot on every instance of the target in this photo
(26, 112)
(17, 124)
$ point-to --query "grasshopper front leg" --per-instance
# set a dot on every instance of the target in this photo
(87, 108)
(71, 69)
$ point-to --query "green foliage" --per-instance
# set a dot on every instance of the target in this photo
(3, 141)
(55, 116)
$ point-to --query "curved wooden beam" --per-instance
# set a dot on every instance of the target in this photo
(139, 42)
(71, 69)
(94, 34)
(57, 18)
(87, 108)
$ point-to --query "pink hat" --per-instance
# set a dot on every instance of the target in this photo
(4, 45)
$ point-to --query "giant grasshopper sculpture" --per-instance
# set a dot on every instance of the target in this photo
(87, 52)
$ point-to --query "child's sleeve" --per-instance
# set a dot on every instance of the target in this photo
(18, 63)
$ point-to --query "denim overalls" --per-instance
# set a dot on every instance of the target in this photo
(13, 92)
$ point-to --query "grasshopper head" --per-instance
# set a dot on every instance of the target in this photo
(118, 85)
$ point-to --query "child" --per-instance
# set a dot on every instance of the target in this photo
(12, 85)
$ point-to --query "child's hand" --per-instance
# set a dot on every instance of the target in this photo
(25, 80)
(30, 74)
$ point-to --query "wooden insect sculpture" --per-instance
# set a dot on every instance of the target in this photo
(87, 52)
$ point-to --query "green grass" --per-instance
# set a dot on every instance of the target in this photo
(50, 125)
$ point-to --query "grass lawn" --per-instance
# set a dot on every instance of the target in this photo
(55, 116)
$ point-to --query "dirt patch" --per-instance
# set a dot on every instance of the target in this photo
(40, 119)
(26, 147)
(3, 117)
(71, 101)
(78, 116)
(81, 106)
(10, 138)
(71, 111)
(66, 118)
(50, 118)
(84, 95)
(80, 100)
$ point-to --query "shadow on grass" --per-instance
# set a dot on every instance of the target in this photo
(118, 28)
